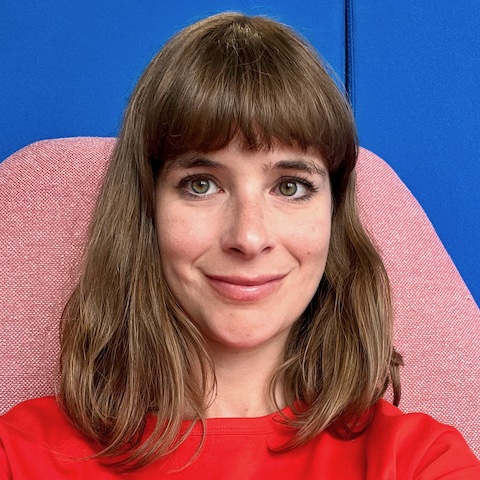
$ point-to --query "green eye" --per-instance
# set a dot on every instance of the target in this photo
(200, 186)
(288, 188)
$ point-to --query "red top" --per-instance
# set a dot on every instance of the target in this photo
(37, 442)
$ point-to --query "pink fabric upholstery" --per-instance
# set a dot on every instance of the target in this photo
(47, 192)
(437, 323)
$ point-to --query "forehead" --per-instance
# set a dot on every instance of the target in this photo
(234, 154)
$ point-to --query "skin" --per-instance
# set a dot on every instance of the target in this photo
(244, 239)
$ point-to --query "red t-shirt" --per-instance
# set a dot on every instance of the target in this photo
(38, 442)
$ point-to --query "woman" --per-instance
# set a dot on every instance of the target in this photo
(232, 319)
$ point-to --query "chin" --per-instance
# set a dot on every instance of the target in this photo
(252, 340)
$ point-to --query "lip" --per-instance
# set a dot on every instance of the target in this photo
(245, 289)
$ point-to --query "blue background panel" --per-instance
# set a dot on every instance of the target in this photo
(67, 68)
(416, 81)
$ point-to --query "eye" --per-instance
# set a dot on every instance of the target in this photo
(289, 189)
(294, 189)
(198, 186)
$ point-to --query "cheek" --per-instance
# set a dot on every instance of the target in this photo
(312, 238)
(182, 236)
(173, 238)
(316, 251)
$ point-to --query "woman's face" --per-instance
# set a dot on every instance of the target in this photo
(244, 239)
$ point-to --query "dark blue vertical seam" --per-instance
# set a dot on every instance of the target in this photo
(349, 52)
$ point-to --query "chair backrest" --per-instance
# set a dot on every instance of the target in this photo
(47, 193)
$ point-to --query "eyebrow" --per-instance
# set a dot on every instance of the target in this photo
(188, 161)
(192, 162)
(308, 166)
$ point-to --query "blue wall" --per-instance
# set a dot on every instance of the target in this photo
(67, 69)
(416, 84)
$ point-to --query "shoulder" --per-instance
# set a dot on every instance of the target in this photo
(38, 441)
(419, 444)
(34, 414)
(38, 421)
(40, 405)
(399, 425)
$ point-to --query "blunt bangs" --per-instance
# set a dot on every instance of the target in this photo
(246, 78)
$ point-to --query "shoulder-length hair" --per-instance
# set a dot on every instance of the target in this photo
(127, 348)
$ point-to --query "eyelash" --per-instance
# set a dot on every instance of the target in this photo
(311, 189)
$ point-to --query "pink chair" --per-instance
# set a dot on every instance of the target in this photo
(47, 192)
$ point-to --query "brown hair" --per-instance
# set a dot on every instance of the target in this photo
(127, 349)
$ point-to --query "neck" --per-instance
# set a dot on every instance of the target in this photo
(243, 381)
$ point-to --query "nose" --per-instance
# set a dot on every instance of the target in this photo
(247, 230)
